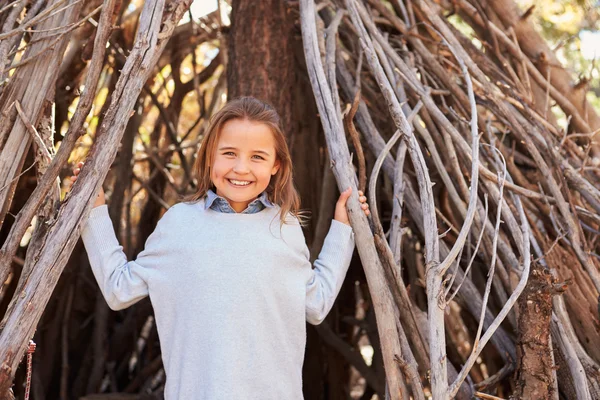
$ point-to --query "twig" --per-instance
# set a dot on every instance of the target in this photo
(373, 178)
(360, 155)
(33, 132)
(38, 18)
(9, 22)
(396, 230)
(482, 230)
(523, 63)
(565, 338)
(562, 101)
(10, 5)
(14, 179)
(488, 285)
(330, 39)
(472, 207)
(547, 104)
(379, 163)
(161, 167)
(525, 253)
(52, 43)
(358, 69)
(496, 378)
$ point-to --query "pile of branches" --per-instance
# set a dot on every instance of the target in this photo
(493, 235)
(481, 255)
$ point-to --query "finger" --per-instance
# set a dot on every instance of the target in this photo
(345, 194)
(360, 193)
(367, 212)
(80, 164)
(362, 199)
(342, 201)
(364, 206)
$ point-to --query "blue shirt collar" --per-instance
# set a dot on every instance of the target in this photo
(220, 204)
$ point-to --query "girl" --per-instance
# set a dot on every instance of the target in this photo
(227, 270)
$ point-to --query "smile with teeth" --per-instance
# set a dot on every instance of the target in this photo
(239, 183)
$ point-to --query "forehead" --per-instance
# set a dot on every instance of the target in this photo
(246, 134)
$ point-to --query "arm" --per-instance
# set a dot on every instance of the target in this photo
(329, 272)
(333, 261)
(122, 283)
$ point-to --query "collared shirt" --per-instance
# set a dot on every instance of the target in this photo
(220, 204)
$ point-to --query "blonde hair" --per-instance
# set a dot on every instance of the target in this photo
(281, 190)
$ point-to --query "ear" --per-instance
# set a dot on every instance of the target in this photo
(276, 167)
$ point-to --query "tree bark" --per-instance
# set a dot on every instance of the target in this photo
(535, 365)
(265, 60)
(261, 55)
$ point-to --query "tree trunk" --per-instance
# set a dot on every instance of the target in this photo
(261, 55)
(266, 61)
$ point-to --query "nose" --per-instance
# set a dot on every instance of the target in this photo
(241, 166)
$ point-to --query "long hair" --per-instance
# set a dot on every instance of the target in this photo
(281, 189)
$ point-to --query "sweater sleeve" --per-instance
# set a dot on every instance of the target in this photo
(329, 272)
(122, 282)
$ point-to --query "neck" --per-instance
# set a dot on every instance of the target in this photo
(239, 207)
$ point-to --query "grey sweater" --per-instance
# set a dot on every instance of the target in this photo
(230, 292)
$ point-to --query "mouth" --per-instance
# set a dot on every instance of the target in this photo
(239, 183)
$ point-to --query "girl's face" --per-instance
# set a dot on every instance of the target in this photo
(243, 162)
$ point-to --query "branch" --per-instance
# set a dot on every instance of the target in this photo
(345, 177)
(526, 256)
(434, 281)
(472, 208)
(33, 132)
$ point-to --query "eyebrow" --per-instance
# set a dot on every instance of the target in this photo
(235, 148)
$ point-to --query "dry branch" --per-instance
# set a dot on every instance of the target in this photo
(340, 159)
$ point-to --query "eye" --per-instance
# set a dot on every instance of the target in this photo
(258, 157)
(229, 153)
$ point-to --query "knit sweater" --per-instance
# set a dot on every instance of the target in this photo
(230, 292)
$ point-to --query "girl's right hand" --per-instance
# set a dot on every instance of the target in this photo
(100, 200)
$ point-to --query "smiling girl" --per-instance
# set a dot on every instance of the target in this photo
(227, 270)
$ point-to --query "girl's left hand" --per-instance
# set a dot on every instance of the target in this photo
(341, 214)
